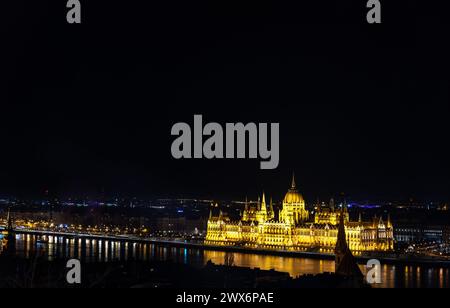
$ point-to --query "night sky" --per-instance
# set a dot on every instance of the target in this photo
(87, 109)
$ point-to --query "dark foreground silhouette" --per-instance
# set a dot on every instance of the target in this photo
(40, 273)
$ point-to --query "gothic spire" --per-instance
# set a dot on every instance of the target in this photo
(293, 185)
(263, 202)
(345, 263)
(341, 244)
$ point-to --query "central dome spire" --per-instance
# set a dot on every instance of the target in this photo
(293, 186)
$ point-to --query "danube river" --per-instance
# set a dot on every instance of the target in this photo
(53, 247)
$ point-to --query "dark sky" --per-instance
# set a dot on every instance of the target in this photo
(87, 110)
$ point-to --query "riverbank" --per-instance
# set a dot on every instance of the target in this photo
(386, 258)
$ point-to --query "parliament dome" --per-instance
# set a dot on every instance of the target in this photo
(293, 196)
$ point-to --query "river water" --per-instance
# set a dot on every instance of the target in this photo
(89, 250)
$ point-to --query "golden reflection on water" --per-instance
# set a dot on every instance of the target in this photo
(53, 247)
(294, 266)
(391, 275)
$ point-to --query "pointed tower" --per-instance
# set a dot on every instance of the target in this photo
(263, 203)
(341, 243)
(381, 222)
(345, 263)
(261, 215)
(389, 222)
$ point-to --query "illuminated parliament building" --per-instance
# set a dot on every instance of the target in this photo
(293, 228)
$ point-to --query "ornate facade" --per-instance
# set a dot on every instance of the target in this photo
(293, 228)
